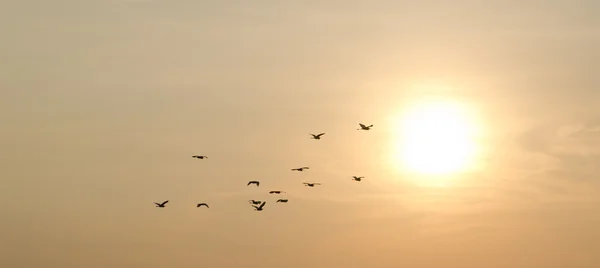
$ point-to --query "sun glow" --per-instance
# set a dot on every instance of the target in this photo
(436, 138)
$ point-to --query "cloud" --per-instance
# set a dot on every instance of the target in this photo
(568, 147)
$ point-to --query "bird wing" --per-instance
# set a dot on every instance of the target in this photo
(262, 205)
(255, 207)
(163, 203)
(157, 204)
(362, 125)
(305, 167)
(320, 134)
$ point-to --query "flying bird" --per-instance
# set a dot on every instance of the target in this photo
(364, 127)
(255, 202)
(199, 156)
(260, 208)
(282, 201)
(311, 184)
(162, 205)
(276, 192)
(299, 169)
(202, 204)
(317, 137)
(253, 182)
(357, 178)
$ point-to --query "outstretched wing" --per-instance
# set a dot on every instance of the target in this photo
(157, 204)
(362, 125)
(305, 167)
(262, 205)
(320, 134)
(163, 203)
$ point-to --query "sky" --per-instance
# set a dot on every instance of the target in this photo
(103, 103)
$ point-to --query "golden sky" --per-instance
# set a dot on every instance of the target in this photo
(103, 103)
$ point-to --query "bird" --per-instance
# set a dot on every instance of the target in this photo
(162, 205)
(357, 178)
(253, 182)
(364, 127)
(312, 184)
(282, 201)
(202, 204)
(199, 156)
(299, 169)
(276, 192)
(260, 208)
(255, 202)
(317, 137)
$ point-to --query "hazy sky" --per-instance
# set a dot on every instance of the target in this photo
(103, 102)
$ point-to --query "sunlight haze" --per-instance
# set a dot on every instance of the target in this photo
(484, 150)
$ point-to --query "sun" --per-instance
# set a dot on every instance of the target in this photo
(436, 138)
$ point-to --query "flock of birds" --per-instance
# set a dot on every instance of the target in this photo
(259, 205)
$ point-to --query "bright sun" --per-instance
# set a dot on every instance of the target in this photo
(437, 137)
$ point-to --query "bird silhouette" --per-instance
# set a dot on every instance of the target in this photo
(300, 169)
(357, 178)
(202, 204)
(255, 202)
(282, 201)
(317, 137)
(312, 184)
(162, 205)
(253, 182)
(199, 156)
(276, 192)
(364, 127)
(260, 208)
